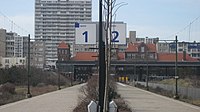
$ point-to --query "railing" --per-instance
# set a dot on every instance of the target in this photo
(189, 92)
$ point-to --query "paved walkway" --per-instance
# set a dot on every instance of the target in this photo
(63, 100)
(66, 99)
(144, 101)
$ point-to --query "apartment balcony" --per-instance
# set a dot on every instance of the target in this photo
(49, 57)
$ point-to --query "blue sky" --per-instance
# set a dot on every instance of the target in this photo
(150, 18)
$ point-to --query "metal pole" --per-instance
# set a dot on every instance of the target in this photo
(147, 72)
(101, 61)
(28, 92)
(71, 78)
(59, 81)
(176, 71)
(135, 77)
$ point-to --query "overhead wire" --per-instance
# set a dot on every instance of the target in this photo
(13, 26)
(187, 29)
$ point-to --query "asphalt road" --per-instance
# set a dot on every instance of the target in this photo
(144, 101)
(63, 100)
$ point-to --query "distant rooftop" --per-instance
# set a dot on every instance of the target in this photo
(63, 45)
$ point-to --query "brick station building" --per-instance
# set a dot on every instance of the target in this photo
(132, 63)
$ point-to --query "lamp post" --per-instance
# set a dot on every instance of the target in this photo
(147, 72)
(147, 68)
(176, 72)
(102, 64)
(28, 94)
(58, 74)
(70, 73)
(176, 96)
(28, 85)
(135, 77)
(59, 88)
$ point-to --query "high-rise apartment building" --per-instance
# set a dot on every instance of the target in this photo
(54, 22)
(2, 42)
(16, 45)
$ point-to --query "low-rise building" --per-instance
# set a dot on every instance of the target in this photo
(191, 48)
(63, 51)
(141, 52)
(37, 57)
(8, 62)
(138, 61)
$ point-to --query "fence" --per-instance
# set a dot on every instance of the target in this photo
(193, 93)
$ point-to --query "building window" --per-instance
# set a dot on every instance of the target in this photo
(23, 61)
(60, 51)
(40, 59)
(194, 50)
(180, 45)
(6, 60)
(142, 56)
(142, 49)
(40, 49)
(180, 50)
(66, 52)
(151, 56)
(63, 51)
(130, 56)
(133, 56)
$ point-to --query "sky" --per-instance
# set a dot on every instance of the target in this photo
(149, 18)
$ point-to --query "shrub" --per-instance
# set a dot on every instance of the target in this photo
(90, 92)
(122, 105)
(41, 85)
(7, 88)
(82, 106)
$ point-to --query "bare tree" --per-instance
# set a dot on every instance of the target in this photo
(110, 10)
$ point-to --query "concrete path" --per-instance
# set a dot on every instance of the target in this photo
(63, 100)
(144, 101)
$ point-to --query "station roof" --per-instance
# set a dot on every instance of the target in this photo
(92, 56)
(133, 47)
(86, 56)
(172, 57)
(63, 45)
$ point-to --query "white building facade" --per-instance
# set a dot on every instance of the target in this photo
(16, 45)
(2, 43)
(8, 62)
(54, 22)
(191, 48)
